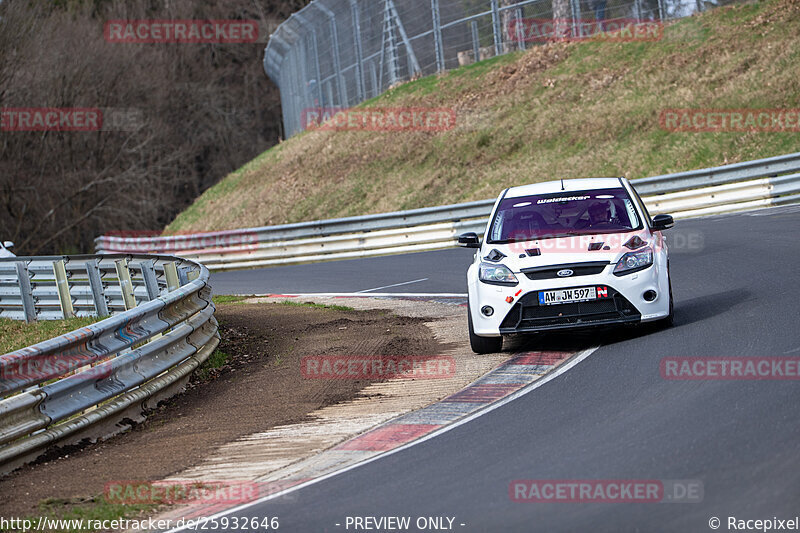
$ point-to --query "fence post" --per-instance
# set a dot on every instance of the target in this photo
(125, 283)
(437, 35)
(98, 292)
(496, 30)
(315, 52)
(359, 50)
(476, 42)
(62, 287)
(26, 292)
(413, 64)
(388, 43)
(520, 30)
(374, 78)
(337, 62)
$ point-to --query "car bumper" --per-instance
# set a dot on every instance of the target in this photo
(625, 303)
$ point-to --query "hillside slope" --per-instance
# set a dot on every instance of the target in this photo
(559, 110)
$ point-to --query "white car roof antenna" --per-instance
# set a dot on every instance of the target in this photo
(562, 185)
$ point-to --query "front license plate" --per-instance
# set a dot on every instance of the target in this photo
(565, 296)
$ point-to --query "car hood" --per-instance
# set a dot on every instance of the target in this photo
(564, 250)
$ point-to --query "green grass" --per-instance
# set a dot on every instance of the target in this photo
(15, 334)
(216, 360)
(88, 510)
(561, 110)
(228, 300)
(317, 306)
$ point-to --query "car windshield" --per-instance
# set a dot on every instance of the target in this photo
(563, 214)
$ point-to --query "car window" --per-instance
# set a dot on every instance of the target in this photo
(563, 214)
(642, 206)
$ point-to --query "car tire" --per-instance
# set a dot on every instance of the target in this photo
(482, 345)
(669, 321)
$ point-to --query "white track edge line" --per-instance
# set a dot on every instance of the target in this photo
(561, 369)
(394, 285)
(356, 295)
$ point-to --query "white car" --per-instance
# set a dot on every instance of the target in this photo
(4, 249)
(567, 254)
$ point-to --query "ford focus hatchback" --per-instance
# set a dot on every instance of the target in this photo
(567, 254)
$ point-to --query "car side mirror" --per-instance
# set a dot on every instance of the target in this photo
(469, 240)
(8, 244)
(663, 222)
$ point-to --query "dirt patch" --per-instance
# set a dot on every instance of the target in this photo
(259, 387)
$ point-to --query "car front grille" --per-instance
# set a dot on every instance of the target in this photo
(578, 269)
(527, 314)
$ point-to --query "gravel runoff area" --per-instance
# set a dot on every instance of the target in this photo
(260, 403)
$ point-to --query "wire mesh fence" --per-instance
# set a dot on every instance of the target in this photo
(334, 54)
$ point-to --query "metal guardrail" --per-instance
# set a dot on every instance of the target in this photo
(82, 383)
(709, 191)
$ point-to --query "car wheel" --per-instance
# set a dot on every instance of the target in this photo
(482, 345)
(669, 321)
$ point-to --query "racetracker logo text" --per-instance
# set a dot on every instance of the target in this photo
(532, 30)
(730, 368)
(730, 120)
(182, 492)
(399, 119)
(50, 119)
(377, 367)
(181, 31)
(605, 491)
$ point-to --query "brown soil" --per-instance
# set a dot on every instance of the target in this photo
(261, 387)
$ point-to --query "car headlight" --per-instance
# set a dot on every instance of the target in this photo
(634, 261)
(496, 274)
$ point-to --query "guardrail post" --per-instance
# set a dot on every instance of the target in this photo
(62, 287)
(183, 275)
(496, 30)
(150, 281)
(437, 35)
(125, 283)
(171, 273)
(26, 292)
(98, 291)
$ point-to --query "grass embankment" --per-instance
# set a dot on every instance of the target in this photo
(560, 110)
(15, 334)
